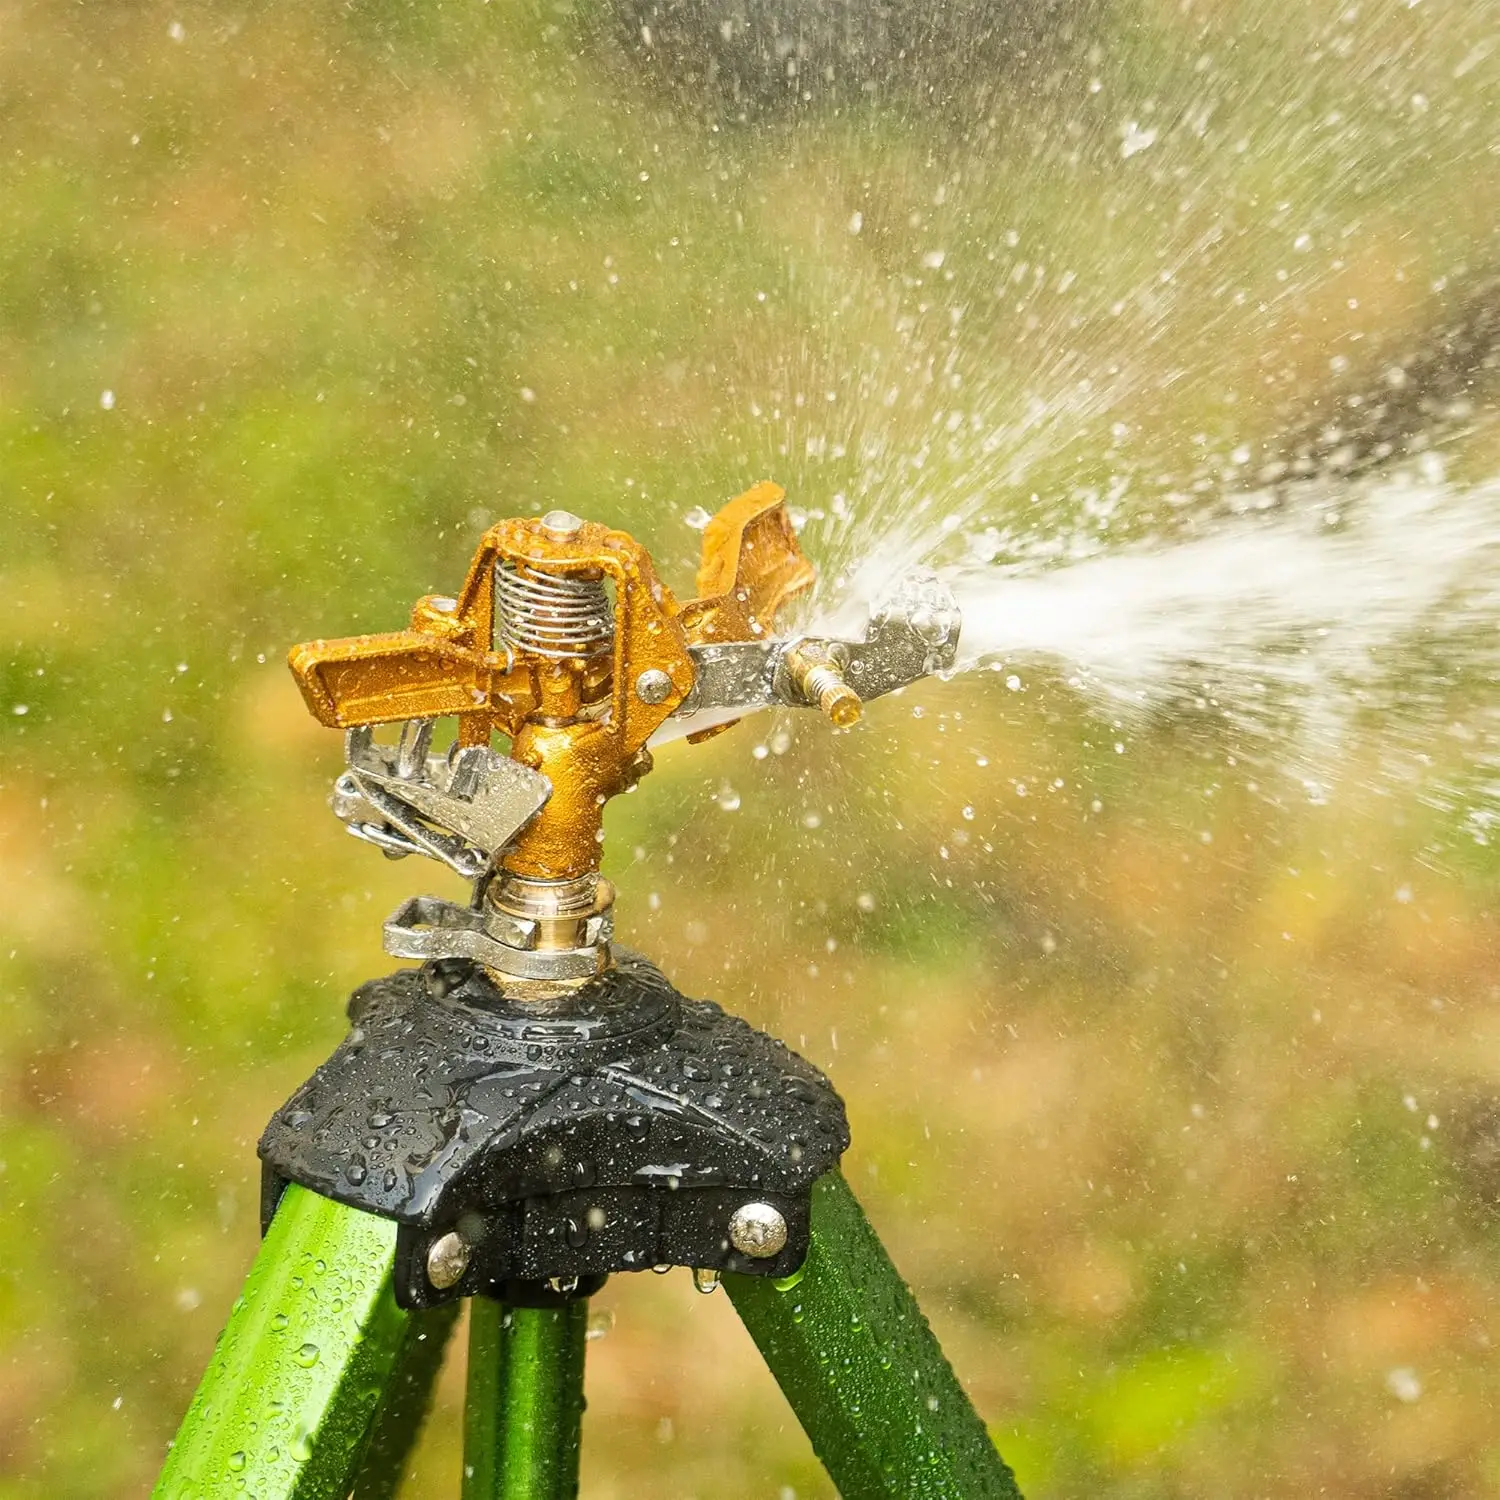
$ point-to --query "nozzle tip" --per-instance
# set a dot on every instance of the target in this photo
(821, 682)
(842, 705)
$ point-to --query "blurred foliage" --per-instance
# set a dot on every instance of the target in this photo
(1175, 1096)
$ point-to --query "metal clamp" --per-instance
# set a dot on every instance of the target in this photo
(426, 927)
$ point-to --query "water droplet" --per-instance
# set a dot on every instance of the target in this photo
(307, 1355)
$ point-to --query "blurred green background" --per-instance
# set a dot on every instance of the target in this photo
(1174, 1094)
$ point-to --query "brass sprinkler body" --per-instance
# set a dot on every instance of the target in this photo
(534, 649)
(565, 648)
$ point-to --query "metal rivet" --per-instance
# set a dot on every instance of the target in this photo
(561, 522)
(653, 686)
(447, 1260)
(757, 1230)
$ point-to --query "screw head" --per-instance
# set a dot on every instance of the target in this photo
(757, 1230)
(561, 522)
(447, 1260)
(653, 686)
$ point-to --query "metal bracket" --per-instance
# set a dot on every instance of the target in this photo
(912, 633)
(462, 808)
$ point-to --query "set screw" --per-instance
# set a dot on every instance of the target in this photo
(653, 686)
(447, 1260)
(757, 1230)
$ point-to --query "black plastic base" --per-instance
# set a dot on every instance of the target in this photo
(546, 1293)
(615, 1130)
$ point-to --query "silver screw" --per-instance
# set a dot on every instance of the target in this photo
(561, 522)
(653, 686)
(447, 1260)
(757, 1230)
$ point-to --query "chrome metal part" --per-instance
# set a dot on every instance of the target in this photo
(426, 927)
(560, 616)
(758, 1230)
(912, 633)
(390, 824)
(462, 808)
(447, 1260)
(553, 915)
(733, 674)
(562, 522)
(653, 686)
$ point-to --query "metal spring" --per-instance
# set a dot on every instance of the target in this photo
(555, 615)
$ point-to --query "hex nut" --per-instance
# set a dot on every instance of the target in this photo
(447, 1260)
(757, 1230)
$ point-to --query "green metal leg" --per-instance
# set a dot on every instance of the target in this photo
(404, 1406)
(285, 1407)
(525, 1401)
(862, 1370)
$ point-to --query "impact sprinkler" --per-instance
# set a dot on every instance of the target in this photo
(564, 642)
(531, 1109)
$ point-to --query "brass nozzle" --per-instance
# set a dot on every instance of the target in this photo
(820, 680)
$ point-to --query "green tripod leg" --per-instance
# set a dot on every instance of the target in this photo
(405, 1404)
(285, 1408)
(850, 1348)
(525, 1401)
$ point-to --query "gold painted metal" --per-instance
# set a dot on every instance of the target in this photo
(578, 719)
(751, 566)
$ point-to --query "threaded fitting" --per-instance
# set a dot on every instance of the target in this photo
(820, 681)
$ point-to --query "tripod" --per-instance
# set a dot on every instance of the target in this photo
(321, 1396)
(531, 1110)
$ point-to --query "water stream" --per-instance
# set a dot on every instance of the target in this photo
(1353, 609)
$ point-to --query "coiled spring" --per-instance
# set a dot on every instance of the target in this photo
(556, 615)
